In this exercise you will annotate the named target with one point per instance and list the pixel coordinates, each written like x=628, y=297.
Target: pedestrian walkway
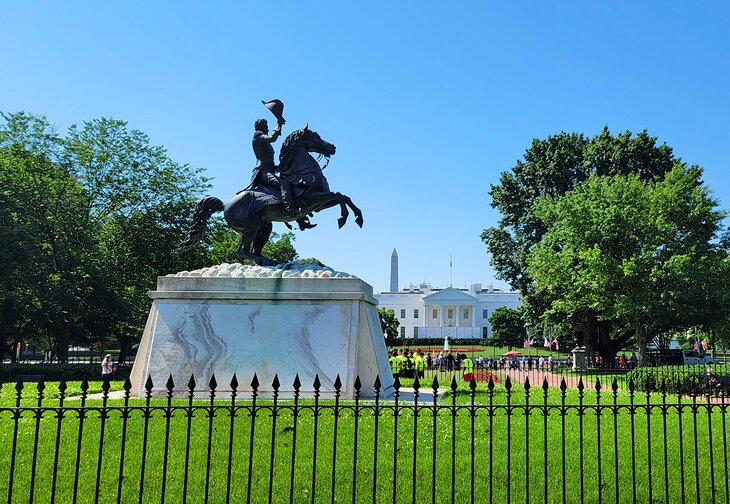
x=538, y=376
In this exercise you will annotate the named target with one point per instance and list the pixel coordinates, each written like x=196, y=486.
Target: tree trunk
x=125, y=347
x=62, y=342
x=589, y=336
x=10, y=350
x=641, y=341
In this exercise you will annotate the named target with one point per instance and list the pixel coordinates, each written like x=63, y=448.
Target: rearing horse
x=251, y=212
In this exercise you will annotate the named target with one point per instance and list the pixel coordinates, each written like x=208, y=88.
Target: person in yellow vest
x=419, y=364
x=406, y=365
x=402, y=359
x=467, y=365
x=394, y=364
x=412, y=361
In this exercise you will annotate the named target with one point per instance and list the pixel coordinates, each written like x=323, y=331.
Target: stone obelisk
x=394, y=271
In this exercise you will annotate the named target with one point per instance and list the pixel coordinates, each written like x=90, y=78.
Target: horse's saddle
x=273, y=194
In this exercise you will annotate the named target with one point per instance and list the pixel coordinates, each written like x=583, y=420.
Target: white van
x=693, y=358
x=678, y=357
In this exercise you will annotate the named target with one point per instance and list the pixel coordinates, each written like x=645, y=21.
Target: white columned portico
x=458, y=315
x=473, y=315
x=441, y=318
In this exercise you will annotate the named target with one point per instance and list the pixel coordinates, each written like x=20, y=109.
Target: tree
x=69, y=206
x=50, y=289
x=389, y=323
x=626, y=259
x=552, y=167
x=507, y=326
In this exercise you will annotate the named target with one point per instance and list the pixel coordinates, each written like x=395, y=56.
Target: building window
x=415, y=332
x=403, y=331
x=435, y=314
x=485, y=314
x=415, y=313
x=451, y=313
x=402, y=314
x=485, y=333
x=466, y=313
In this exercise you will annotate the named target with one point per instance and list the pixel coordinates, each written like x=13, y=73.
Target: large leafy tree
x=623, y=258
x=49, y=273
x=91, y=219
x=507, y=326
x=551, y=167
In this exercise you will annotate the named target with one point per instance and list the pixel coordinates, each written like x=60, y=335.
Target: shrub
x=685, y=380
x=9, y=373
x=429, y=342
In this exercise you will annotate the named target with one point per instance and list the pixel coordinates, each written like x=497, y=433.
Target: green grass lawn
x=310, y=453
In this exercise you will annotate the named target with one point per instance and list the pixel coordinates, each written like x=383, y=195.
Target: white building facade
x=424, y=312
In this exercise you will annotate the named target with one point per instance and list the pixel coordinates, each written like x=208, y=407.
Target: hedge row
x=11, y=373
x=395, y=342
x=686, y=380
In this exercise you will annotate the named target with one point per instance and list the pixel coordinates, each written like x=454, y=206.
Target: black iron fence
x=483, y=442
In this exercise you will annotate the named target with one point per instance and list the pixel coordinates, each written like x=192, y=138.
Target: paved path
x=537, y=377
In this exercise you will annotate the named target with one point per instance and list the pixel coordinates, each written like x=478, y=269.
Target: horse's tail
x=203, y=210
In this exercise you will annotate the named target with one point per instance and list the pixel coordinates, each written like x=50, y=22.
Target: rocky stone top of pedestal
x=239, y=282
x=291, y=270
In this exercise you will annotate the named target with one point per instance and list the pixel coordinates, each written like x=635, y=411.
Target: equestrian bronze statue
x=305, y=191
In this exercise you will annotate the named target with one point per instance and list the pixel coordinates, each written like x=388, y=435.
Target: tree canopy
x=622, y=258
x=507, y=326
x=552, y=167
x=609, y=236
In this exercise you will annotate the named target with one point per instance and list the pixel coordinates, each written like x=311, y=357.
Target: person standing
x=468, y=367
x=419, y=364
x=107, y=368
x=394, y=364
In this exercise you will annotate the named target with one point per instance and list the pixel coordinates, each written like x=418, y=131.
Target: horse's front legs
x=344, y=214
x=355, y=210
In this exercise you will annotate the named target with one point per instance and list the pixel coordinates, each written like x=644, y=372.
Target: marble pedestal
x=270, y=321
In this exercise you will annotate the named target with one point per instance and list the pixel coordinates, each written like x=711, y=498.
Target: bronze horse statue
x=252, y=211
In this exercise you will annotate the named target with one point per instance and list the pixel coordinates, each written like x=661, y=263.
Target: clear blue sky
x=427, y=102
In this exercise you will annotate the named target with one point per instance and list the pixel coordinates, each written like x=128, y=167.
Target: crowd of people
x=404, y=361
x=409, y=364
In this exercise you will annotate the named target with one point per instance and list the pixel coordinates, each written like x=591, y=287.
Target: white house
x=425, y=312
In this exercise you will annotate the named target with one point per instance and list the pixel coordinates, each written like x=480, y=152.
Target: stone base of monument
x=265, y=321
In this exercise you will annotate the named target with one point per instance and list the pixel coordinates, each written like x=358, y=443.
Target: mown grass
x=315, y=453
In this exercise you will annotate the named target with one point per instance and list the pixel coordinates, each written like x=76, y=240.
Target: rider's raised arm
x=271, y=138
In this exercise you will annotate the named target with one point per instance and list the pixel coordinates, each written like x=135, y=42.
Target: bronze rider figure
x=263, y=172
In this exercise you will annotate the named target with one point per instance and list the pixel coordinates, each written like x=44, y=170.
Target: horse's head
x=314, y=143
x=307, y=140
